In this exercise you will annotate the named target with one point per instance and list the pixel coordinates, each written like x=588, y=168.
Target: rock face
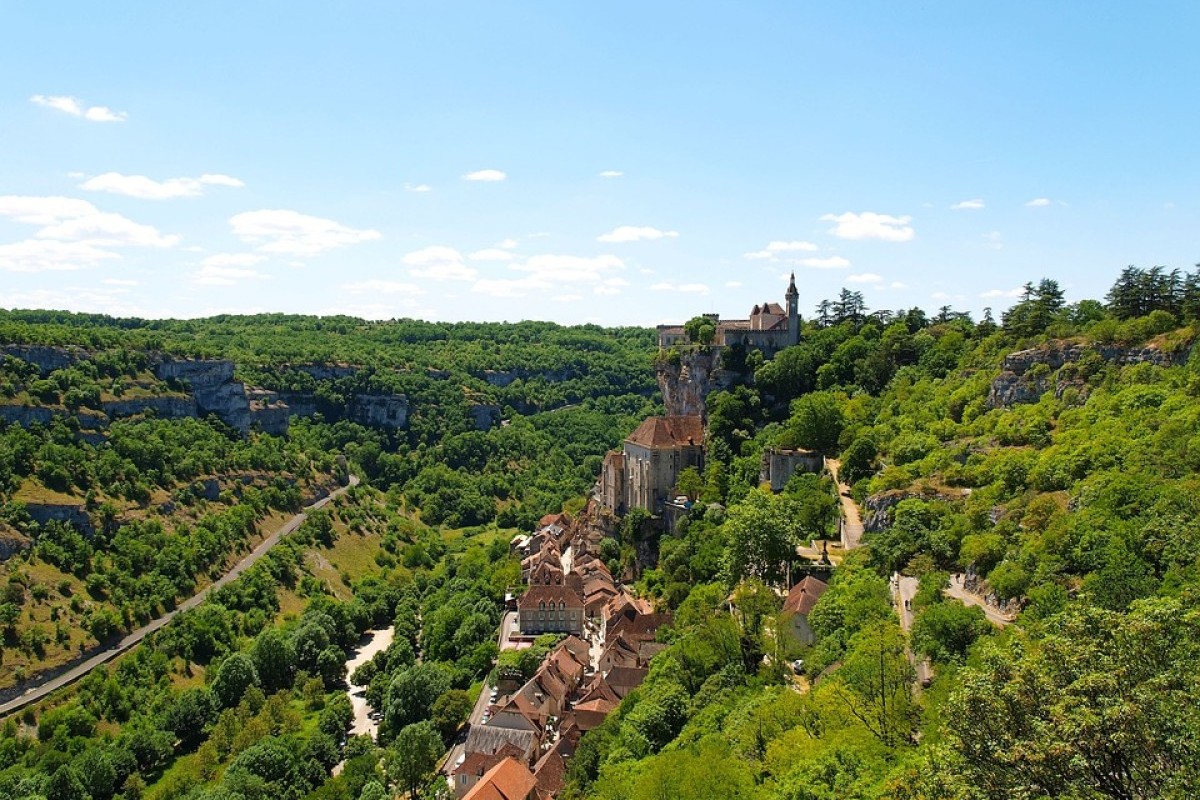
x=877, y=510
x=41, y=415
x=213, y=386
x=165, y=407
x=381, y=410
x=327, y=372
x=686, y=385
x=47, y=358
x=73, y=515
x=485, y=417
x=1028, y=374
x=504, y=378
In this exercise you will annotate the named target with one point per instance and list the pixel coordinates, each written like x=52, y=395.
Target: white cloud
x=733, y=284
x=994, y=240
x=773, y=249
x=485, y=175
x=865, y=277
x=120, y=282
x=870, y=225
x=897, y=285
x=508, y=287
x=44, y=255
x=1039, y=202
x=682, y=288
x=69, y=105
x=830, y=262
x=569, y=269
x=225, y=276
x=632, y=233
x=508, y=244
x=148, y=189
x=611, y=173
x=420, y=187
x=567, y=298
x=491, y=254
x=376, y=286
x=994, y=293
x=232, y=260
x=968, y=205
x=293, y=233
x=72, y=233
x=439, y=263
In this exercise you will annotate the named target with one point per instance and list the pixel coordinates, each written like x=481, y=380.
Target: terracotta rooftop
x=804, y=595
x=508, y=780
x=549, y=594
x=679, y=431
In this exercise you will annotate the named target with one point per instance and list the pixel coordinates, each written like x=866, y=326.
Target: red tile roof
x=804, y=595
x=508, y=780
x=680, y=431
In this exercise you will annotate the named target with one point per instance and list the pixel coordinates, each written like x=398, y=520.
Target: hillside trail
x=852, y=527
x=38, y=691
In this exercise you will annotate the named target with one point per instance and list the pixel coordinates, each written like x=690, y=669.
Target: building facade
x=644, y=474
x=769, y=328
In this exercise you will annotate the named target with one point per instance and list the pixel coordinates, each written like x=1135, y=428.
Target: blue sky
x=619, y=163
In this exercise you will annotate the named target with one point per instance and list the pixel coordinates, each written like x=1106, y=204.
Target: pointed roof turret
x=791, y=290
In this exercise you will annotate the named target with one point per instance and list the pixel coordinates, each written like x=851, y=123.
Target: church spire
x=791, y=290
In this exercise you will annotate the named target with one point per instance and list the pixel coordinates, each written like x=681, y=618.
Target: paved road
x=960, y=593
x=904, y=590
x=852, y=527
x=37, y=692
x=508, y=626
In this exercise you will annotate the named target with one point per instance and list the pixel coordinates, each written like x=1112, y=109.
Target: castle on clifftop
x=770, y=328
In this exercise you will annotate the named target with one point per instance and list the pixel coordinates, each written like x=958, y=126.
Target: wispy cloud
x=733, y=284
x=632, y=233
x=74, y=107
x=292, y=233
x=870, y=225
x=144, y=188
x=864, y=277
x=491, y=254
x=830, y=262
x=1038, y=202
x=71, y=234
x=233, y=260
x=439, y=263
x=995, y=293
x=419, y=187
x=968, y=205
x=682, y=288
x=485, y=175
x=225, y=276
x=611, y=173
x=376, y=286
x=774, y=250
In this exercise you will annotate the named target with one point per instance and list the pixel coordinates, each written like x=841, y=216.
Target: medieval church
x=770, y=328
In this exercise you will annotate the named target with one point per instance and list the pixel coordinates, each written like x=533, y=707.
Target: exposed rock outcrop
x=877, y=510
x=70, y=513
x=1026, y=375
x=687, y=383
x=46, y=357
x=163, y=407
x=213, y=386
x=381, y=410
x=485, y=416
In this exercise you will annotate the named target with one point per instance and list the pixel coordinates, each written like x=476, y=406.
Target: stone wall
x=778, y=466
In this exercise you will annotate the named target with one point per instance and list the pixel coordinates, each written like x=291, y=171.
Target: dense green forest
x=1049, y=456
x=1073, y=499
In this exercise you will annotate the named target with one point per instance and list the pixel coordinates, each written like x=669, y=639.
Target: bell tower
x=793, y=311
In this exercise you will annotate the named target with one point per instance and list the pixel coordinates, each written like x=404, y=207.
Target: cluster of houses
x=520, y=752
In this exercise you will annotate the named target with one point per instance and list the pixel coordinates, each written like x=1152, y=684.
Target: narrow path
x=852, y=527
x=904, y=590
x=37, y=692
x=967, y=598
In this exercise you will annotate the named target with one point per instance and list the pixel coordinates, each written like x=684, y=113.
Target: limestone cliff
x=1028, y=374
x=687, y=381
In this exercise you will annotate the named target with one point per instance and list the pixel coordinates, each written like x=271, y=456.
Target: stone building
x=779, y=465
x=769, y=328
x=550, y=609
x=646, y=471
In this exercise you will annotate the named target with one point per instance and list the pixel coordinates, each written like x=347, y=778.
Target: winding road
x=38, y=691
